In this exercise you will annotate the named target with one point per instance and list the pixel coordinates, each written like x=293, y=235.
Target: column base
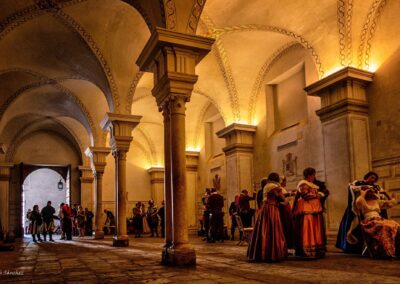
x=98, y=235
x=120, y=241
x=181, y=255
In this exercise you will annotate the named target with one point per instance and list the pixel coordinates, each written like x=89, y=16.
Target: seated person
x=381, y=235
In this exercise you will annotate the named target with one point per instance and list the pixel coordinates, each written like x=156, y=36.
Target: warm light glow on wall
x=333, y=70
x=158, y=166
x=372, y=67
x=245, y=122
x=193, y=149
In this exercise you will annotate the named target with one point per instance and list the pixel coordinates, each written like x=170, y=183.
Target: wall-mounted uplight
x=60, y=185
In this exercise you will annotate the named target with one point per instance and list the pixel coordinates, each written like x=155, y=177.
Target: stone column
x=239, y=141
x=157, y=184
x=98, y=162
x=167, y=182
x=5, y=175
x=192, y=162
x=120, y=127
x=172, y=58
x=86, y=187
x=345, y=130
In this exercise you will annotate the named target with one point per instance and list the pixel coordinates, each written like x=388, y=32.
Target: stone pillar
x=5, y=175
x=120, y=127
x=172, y=58
x=239, y=141
x=86, y=187
x=192, y=162
x=167, y=182
x=345, y=130
x=98, y=162
x=157, y=184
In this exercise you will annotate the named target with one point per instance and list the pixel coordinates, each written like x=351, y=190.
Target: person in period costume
x=110, y=222
x=260, y=193
x=146, y=226
x=215, y=204
x=80, y=219
x=48, y=221
x=206, y=212
x=233, y=211
x=88, y=222
x=285, y=212
x=268, y=240
x=349, y=237
x=246, y=213
x=137, y=219
x=68, y=216
x=28, y=222
x=61, y=217
x=152, y=218
x=74, y=219
x=310, y=236
x=382, y=236
x=36, y=223
x=161, y=214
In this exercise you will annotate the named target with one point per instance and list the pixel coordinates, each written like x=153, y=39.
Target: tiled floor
x=93, y=261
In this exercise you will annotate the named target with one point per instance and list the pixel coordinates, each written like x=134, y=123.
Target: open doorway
x=42, y=183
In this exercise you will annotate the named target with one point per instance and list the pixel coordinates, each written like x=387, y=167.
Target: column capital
x=98, y=157
x=342, y=92
x=5, y=171
x=86, y=174
x=192, y=161
x=120, y=127
x=156, y=174
x=172, y=58
x=238, y=137
x=164, y=40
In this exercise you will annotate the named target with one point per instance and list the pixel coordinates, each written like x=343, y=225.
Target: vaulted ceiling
x=67, y=62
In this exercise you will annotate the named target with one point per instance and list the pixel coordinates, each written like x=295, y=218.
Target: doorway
x=43, y=183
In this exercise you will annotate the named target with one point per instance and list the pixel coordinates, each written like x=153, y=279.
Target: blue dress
x=346, y=224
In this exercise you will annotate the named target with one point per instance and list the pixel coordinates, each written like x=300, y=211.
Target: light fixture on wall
x=60, y=185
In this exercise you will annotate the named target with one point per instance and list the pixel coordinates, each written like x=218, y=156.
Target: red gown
x=310, y=240
x=268, y=240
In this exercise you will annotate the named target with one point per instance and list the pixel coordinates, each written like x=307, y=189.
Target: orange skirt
x=310, y=239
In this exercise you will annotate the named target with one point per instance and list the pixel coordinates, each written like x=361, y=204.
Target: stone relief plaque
x=289, y=165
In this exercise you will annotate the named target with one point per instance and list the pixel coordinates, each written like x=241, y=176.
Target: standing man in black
x=48, y=220
x=215, y=204
x=88, y=222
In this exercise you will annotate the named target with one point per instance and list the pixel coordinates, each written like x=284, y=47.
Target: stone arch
x=18, y=140
x=201, y=117
x=43, y=81
x=264, y=70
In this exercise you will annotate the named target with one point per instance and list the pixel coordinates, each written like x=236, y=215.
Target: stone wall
x=384, y=121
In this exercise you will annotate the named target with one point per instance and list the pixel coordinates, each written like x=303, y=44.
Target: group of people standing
x=147, y=221
x=73, y=221
x=280, y=227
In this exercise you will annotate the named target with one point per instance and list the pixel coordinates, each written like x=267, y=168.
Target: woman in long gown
x=309, y=222
x=268, y=240
x=349, y=237
x=381, y=235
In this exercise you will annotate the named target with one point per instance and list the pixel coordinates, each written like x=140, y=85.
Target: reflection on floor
x=94, y=261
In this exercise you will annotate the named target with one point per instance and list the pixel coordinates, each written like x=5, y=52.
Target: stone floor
x=96, y=261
